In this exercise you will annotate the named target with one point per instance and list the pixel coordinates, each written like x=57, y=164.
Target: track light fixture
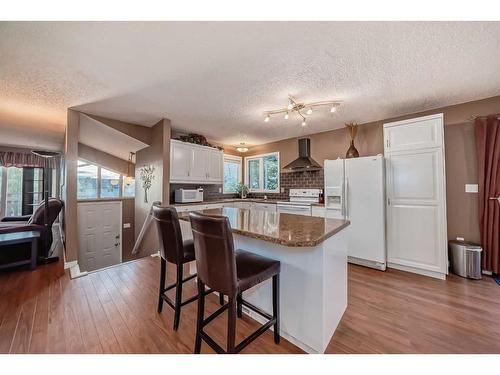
x=302, y=109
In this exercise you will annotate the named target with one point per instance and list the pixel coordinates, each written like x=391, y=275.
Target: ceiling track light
x=299, y=108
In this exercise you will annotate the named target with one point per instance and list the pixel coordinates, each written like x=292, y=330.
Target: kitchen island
x=313, y=279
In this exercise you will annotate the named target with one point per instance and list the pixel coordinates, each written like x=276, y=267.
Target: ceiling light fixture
x=242, y=147
x=302, y=109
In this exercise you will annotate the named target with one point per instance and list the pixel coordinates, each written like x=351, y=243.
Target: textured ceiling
x=217, y=79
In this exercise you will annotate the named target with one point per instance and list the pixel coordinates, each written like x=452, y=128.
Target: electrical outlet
x=471, y=188
x=126, y=225
x=220, y=190
x=282, y=190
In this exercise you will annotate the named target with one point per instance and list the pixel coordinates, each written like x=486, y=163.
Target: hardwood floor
x=114, y=311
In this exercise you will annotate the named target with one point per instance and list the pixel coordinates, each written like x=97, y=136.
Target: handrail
x=144, y=228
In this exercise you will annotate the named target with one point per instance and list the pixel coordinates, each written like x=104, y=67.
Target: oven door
x=294, y=209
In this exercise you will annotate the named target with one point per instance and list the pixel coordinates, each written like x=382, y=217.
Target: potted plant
x=242, y=190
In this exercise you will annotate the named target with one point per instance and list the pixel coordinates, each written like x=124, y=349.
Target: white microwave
x=188, y=195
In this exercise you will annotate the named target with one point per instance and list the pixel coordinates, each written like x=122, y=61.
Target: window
x=128, y=187
x=232, y=173
x=21, y=190
x=14, y=200
x=87, y=180
x=263, y=173
x=110, y=184
x=95, y=182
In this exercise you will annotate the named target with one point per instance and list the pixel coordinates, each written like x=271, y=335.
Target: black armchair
x=35, y=222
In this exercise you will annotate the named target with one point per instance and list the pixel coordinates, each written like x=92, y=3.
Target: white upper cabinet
x=199, y=163
x=414, y=134
x=215, y=166
x=191, y=163
x=180, y=161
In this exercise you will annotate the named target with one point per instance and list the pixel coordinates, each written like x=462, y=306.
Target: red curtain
x=488, y=156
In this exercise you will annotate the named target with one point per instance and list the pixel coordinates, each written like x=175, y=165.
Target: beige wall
x=105, y=160
x=157, y=155
x=69, y=189
x=459, y=150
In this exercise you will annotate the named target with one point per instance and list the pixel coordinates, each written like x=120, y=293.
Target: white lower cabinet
x=246, y=205
x=269, y=207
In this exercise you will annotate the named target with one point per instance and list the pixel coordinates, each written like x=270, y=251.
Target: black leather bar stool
x=229, y=272
x=174, y=249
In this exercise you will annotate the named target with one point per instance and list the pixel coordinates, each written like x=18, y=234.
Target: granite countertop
x=284, y=229
x=228, y=200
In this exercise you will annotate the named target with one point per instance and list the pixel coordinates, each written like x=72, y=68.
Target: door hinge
x=388, y=201
x=388, y=143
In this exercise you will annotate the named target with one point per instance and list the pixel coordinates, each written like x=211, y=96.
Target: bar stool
x=174, y=249
x=230, y=272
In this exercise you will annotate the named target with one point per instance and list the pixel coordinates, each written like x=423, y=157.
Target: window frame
x=233, y=158
x=99, y=184
x=261, y=157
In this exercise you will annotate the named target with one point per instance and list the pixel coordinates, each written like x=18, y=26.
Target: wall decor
x=147, y=176
x=352, y=152
x=198, y=139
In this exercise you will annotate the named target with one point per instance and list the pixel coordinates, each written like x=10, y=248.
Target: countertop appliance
x=355, y=190
x=300, y=202
x=188, y=195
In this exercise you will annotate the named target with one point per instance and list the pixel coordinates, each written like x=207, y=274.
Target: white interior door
x=99, y=231
x=416, y=200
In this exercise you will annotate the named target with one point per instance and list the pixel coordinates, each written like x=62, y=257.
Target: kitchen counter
x=313, y=278
x=280, y=228
x=229, y=200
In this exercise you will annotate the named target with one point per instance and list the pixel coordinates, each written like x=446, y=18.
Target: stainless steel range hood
x=304, y=162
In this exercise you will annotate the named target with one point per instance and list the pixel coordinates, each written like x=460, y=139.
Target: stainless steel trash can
x=465, y=259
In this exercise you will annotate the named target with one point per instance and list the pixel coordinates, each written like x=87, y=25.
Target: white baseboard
x=68, y=265
x=488, y=273
x=367, y=263
x=436, y=275
x=74, y=272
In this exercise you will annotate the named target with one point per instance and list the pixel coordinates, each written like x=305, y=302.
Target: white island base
x=313, y=288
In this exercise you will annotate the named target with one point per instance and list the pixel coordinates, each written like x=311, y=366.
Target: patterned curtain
x=25, y=159
x=488, y=156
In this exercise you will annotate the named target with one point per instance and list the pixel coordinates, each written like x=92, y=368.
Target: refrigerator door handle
x=346, y=193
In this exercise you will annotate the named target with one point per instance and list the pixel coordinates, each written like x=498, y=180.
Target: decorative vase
x=352, y=152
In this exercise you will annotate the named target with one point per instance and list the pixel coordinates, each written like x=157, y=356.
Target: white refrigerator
x=355, y=190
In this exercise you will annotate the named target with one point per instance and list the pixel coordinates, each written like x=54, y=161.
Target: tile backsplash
x=209, y=191
x=288, y=180
x=295, y=180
